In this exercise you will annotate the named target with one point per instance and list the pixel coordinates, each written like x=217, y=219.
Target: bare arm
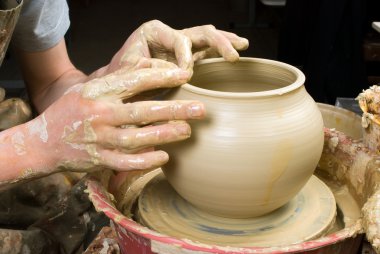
x=81, y=130
x=48, y=74
x=153, y=45
x=79, y=125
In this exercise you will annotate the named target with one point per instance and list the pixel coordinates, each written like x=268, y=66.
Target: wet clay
x=13, y=112
x=347, y=220
x=348, y=212
x=344, y=167
x=308, y=215
x=355, y=162
x=259, y=144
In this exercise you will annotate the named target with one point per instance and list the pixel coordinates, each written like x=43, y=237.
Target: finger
x=223, y=45
x=125, y=84
x=158, y=63
x=146, y=112
x=208, y=53
x=183, y=53
x=124, y=162
x=149, y=136
x=207, y=36
x=144, y=62
x=238, y=42
x=171, y=40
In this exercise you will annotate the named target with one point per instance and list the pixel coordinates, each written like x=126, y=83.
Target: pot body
x=259, y=144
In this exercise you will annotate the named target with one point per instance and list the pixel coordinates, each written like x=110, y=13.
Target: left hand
x=156, y=40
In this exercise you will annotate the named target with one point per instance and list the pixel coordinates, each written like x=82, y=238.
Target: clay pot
x=258, y=146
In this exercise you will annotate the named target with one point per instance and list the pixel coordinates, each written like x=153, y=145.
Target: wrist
x=43, y=99
x=22, y=155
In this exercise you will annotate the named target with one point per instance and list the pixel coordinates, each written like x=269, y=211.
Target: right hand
x=90, y=127
x=157, y=41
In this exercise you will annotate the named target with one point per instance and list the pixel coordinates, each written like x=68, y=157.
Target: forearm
x=48, y=74
x=22, y=156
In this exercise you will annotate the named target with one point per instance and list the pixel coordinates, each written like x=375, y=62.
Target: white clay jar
x=259, y=144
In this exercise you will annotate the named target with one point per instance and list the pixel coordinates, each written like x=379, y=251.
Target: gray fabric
x=42, y=24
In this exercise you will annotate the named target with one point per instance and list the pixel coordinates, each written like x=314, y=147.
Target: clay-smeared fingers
x=161, y=36
x=124, y=162
x=144, y=62
x=208, y=53
x=238, y=42
x=222, y=44
x=146, y=112
x=125, y=84
x=207, y=36
x=148, y=136
x=183, y=53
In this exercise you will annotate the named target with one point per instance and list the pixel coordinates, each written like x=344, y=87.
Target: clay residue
x=369, y=100
x=104, y=243
x=353, y=163
x=39, y=127
x=74, y=135
x=18, y=142
x=307, y=216
x=131, y=186
x=13, y=111
x=332, y=143
x=371, y=212
x=112, y=86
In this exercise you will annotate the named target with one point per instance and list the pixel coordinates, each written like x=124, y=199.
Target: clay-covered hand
x=90, y=127
x=156, y=40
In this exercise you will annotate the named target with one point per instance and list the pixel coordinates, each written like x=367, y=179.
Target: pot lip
x=299, y=82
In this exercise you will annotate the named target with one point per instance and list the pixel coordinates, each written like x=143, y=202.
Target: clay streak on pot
x=39, y=126
x=280, y=163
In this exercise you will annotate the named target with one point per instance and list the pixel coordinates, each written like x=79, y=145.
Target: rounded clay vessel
x=259, y=144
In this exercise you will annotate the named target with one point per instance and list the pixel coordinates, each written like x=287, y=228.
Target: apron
x=48, y=215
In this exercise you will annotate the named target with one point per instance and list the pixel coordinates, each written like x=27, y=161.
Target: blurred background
x=331, y=41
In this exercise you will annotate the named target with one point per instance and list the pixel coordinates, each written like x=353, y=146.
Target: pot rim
x=299, y=82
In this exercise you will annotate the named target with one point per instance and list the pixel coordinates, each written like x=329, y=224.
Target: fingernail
x=196, y=110
x=232, y=56
x=162, y=157
x=243, y=44
x=183, y=130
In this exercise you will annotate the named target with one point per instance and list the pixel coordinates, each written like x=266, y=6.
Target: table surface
x=376, y=25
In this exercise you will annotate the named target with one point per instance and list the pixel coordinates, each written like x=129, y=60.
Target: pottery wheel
x=308, y=215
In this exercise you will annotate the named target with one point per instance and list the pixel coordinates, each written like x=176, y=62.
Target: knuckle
x=135, y=113
x=154, y=22
x=174, y=109
x=126, y=141
x=186, y=40
x=209, y=27
x=101, y=108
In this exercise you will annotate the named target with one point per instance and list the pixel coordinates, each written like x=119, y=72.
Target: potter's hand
x=90, y=127
x=182, y=47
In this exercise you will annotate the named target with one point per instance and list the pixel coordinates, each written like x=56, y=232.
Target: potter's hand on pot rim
x=156, y=40
x=90, y=127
